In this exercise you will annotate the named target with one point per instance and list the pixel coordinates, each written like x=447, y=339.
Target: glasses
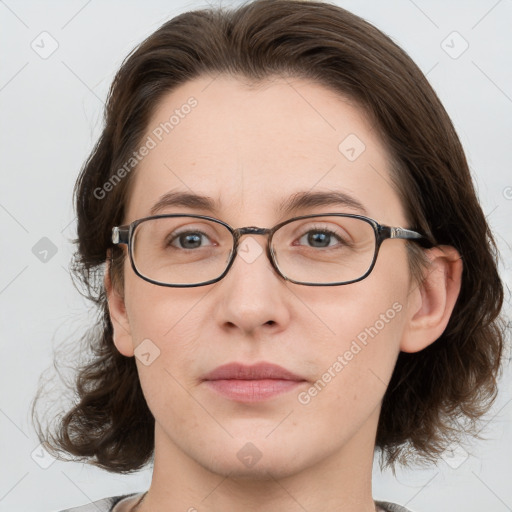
x=330, y=249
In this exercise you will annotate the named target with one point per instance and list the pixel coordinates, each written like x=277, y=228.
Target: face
x=250, y=149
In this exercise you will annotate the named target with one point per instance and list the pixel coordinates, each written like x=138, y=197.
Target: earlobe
x=118, y=315
x=432, y=301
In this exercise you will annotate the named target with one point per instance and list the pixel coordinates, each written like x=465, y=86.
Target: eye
x=187, y=239
x=320, y=238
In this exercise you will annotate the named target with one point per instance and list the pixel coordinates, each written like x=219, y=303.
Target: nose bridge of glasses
x=252, y=230
x=249, y=230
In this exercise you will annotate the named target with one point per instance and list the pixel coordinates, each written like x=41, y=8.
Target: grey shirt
x=109, y=505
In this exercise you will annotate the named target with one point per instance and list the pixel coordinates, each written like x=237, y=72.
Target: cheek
x=166, y=326
x=359, y=358
x=158, y=312
x=365, y=321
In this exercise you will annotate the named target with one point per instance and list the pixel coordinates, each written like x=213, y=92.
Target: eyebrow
x=302, y=200
x=305, y=200
x=185, y=199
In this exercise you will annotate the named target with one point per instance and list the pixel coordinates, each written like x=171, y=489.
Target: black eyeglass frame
x=124, y=235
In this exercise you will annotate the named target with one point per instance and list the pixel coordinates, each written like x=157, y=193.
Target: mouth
x=254, y=383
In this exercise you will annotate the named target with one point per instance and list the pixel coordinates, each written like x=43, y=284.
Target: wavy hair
x=432, y=393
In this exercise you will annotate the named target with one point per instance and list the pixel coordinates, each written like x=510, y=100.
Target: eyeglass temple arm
x=120, y=234
x=406, y=234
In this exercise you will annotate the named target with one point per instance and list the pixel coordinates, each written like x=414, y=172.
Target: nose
x=252, y=296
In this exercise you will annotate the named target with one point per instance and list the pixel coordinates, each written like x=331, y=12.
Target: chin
x=256, y=459
x=262, y=471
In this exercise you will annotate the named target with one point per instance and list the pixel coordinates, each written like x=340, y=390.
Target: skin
x=251, y=148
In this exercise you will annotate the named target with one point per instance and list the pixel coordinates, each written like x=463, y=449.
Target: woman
x=279, y=227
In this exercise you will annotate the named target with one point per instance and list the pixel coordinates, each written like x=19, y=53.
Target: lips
x=259, y=371
x=256, y=383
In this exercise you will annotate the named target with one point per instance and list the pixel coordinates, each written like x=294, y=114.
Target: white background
x=51, y=115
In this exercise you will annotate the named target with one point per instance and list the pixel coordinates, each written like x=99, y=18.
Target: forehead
x=249, y=148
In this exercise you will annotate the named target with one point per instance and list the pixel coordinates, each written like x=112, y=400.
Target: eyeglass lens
x=187, y=250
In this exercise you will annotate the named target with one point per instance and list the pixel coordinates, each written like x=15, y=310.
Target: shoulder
x=391, y=507
x=103, y=505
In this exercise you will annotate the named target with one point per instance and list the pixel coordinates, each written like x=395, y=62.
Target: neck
x=338, y=481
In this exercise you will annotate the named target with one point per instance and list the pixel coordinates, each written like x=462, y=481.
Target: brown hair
x=431, y=393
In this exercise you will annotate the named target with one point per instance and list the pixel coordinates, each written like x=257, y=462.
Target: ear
x=118, y=316
x=431, y=302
